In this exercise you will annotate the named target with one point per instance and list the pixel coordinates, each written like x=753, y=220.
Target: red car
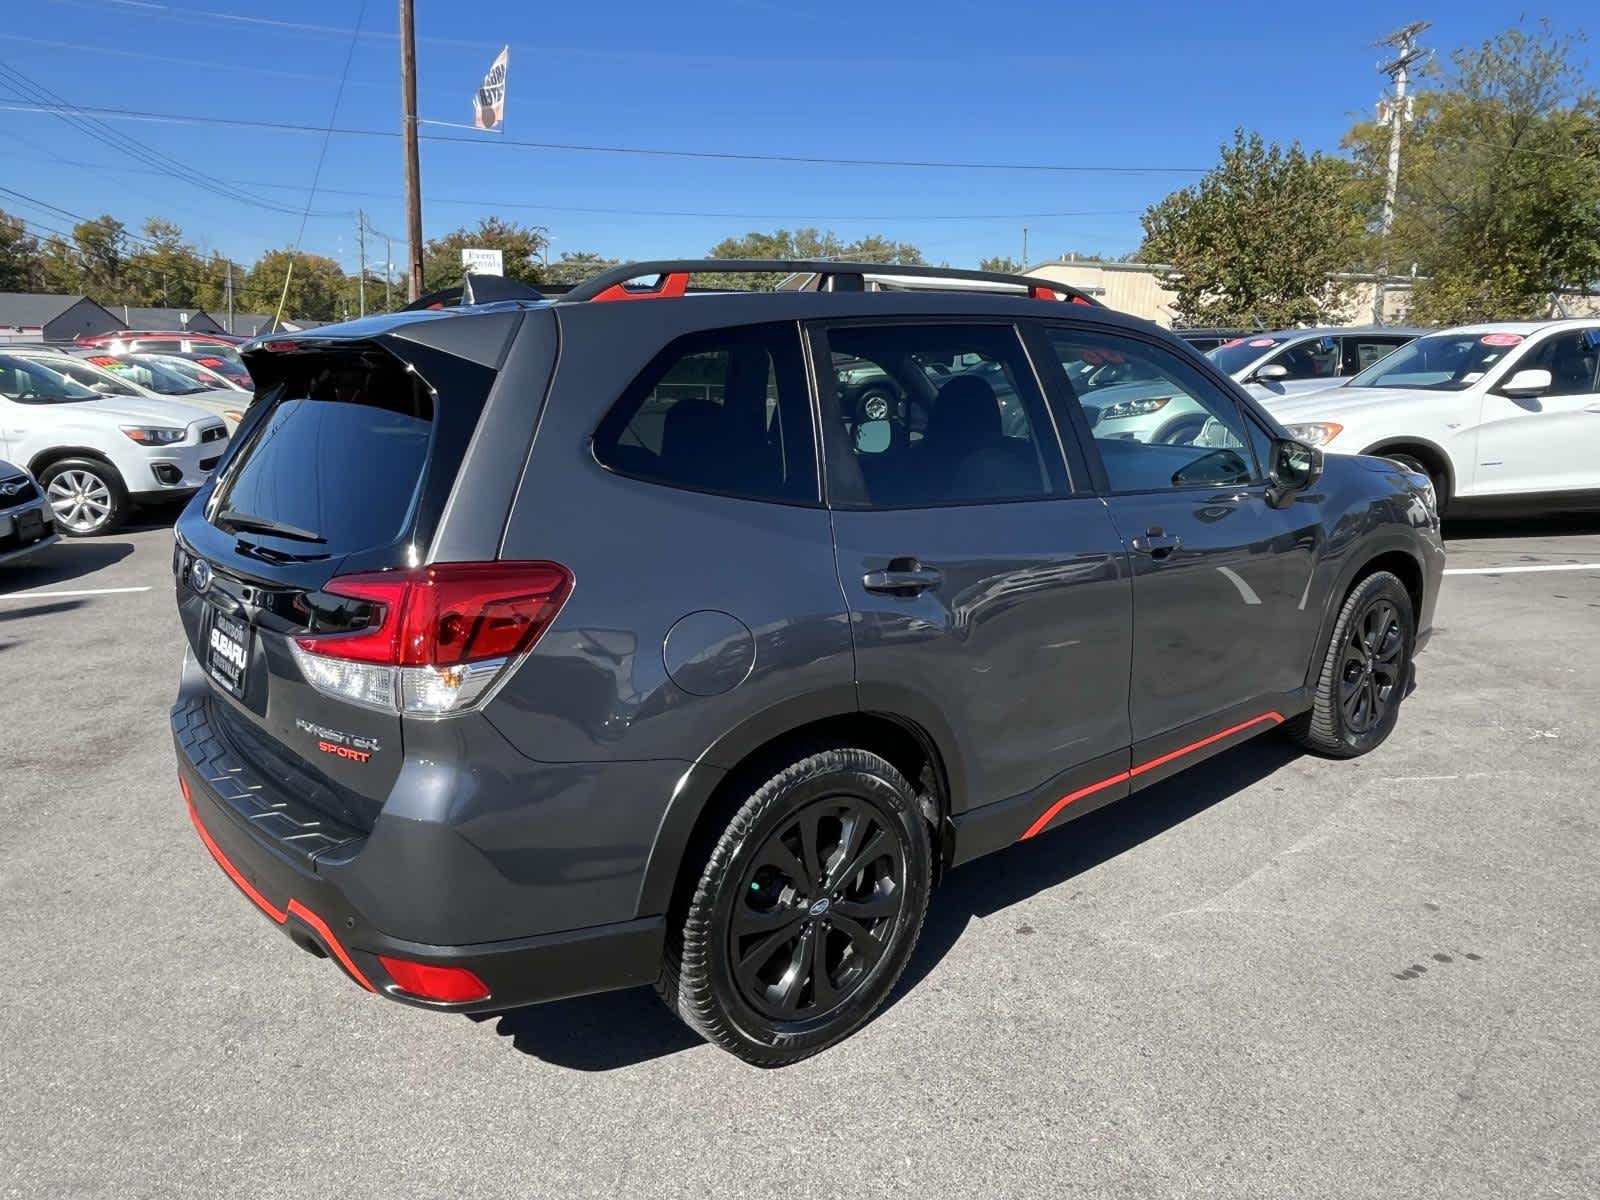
x=218, y=351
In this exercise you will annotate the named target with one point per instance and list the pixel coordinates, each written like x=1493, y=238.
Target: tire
x=1180, y=432
x=757, y=898
x=87, y=495
x=1364, y=673
x=1441, y=487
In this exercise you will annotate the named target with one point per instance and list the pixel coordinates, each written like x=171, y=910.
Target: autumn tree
x=1498, y=203
x=803, y=244
x=522, y=248
x=315, y=286
x=20, y=267
x=1258, y=237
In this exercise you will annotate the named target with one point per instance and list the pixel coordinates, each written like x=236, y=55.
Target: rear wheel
x=807, y=911
x=87, y=496
x=1365, y=672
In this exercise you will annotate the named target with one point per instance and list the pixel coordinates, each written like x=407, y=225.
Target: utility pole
x=1024, y=247
x=361, y=250
x=1404, y=42
x=408, y=90
x=388, y=270
x=228, y=288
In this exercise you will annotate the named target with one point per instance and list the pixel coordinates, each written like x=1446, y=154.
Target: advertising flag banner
x=489, y=105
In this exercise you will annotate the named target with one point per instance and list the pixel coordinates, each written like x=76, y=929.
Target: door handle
x=1157, y=543
x=904, y=577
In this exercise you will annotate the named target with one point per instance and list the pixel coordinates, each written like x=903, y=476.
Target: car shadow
x=621, y=1029
x=1457, y=529
x=65, y=561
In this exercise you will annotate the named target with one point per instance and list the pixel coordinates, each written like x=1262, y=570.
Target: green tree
x=20, y=267
x=574, y=266
x=316, y=287
x=802, y=244
x=521, y=246
x=1498, y=203
x=1257, y=238
x=60, y=269
x=102, y=246
x=1002, y=263
x=164, y=270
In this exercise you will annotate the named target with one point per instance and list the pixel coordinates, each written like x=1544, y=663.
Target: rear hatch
x=341, y=468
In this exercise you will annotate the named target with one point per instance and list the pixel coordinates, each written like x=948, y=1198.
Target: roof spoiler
x=475, y=289
x=672, y=277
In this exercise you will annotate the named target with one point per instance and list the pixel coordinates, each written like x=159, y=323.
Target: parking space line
x=79, y=592
x=1522, y=570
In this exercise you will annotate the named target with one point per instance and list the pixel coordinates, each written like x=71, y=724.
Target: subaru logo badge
x=200, y=575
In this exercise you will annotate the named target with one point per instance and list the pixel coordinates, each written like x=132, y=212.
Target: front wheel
x=807, y=911
x=86, y=494
x=1365, y=672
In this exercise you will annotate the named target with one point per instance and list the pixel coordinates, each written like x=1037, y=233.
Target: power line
x=645, y=151
x=77, y=117
x=322, y=155
x=187, y=14
x=208, y=63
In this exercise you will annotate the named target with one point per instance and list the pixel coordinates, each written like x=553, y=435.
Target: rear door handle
x=1157, y=543
x=902, y=577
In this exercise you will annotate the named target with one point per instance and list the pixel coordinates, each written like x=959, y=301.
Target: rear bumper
x=319, y=917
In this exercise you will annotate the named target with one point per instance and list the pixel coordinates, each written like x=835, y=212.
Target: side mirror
x=1530, y=381
x=873, y=437
x=1271, y=373
x=1293, y=467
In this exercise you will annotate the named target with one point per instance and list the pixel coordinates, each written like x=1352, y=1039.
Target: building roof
x=196, y=320
x=33, y=308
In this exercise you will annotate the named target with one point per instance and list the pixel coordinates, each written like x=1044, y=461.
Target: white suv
x=1493, y=414
x=97, y=456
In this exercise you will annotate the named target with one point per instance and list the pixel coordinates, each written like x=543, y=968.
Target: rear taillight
x=437, y=637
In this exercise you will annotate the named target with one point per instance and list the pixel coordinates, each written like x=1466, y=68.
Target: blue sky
x=1127, y=85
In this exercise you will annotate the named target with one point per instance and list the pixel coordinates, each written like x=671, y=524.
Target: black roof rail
x=475, y=289
x=673, y=278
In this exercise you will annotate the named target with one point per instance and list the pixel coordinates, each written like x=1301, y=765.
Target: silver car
x=27, y=523
x=1287, y=362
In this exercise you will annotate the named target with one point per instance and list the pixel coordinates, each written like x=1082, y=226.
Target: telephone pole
x=388, y=271
x=361, y=251
x=408, y=90
x=1024, y=247
x=229, y=288
x=1395, y=111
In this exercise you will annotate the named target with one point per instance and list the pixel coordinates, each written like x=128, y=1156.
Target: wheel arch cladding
x=46, y=459
x=1425, y=452
x=710, y=796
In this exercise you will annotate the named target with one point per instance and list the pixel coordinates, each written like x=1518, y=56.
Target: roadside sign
x=482, y=262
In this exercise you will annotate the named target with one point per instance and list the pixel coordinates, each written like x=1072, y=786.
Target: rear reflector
x=436, y=637
x=448, y=985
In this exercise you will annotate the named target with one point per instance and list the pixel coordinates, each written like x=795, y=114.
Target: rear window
x=339, y=455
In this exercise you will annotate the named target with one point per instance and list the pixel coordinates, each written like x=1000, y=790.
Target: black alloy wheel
x=806, y=909
x=813, y=916
x=1369, y=675
x=1356, y=696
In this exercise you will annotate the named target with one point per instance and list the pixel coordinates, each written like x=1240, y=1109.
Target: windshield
x=1440, y=362
x=102, y=382
x=32, y=383
x=1233, y=357
x=146, y=374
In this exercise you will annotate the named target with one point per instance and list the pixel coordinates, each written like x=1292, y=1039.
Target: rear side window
x=939, y=414
x=339, y=455
x=1361, y=351
x=725, y=411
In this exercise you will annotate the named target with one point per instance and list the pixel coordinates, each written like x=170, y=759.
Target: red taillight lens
x=436, y=639
x=451, y=985
x=448, y=614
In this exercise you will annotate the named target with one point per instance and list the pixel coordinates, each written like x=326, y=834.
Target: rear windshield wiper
x=281, y=529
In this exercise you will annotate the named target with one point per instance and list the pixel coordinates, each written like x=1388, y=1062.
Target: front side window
x=1362, y=350
x=722, y=412
x=1570, y=359
x=937, y=415
x=33, y=383
x=1175, y=429
x=1314, y=358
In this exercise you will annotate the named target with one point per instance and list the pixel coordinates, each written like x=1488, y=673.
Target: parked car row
x=104, y=433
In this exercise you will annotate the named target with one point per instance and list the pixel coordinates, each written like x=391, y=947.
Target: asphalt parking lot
x=1272, y=975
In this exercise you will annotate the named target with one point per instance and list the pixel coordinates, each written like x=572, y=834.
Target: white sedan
x=1496, y=415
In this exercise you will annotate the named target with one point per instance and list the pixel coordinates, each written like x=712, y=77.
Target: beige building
x=1136, y=288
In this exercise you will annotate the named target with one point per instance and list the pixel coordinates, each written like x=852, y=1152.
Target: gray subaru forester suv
x=543, y=647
